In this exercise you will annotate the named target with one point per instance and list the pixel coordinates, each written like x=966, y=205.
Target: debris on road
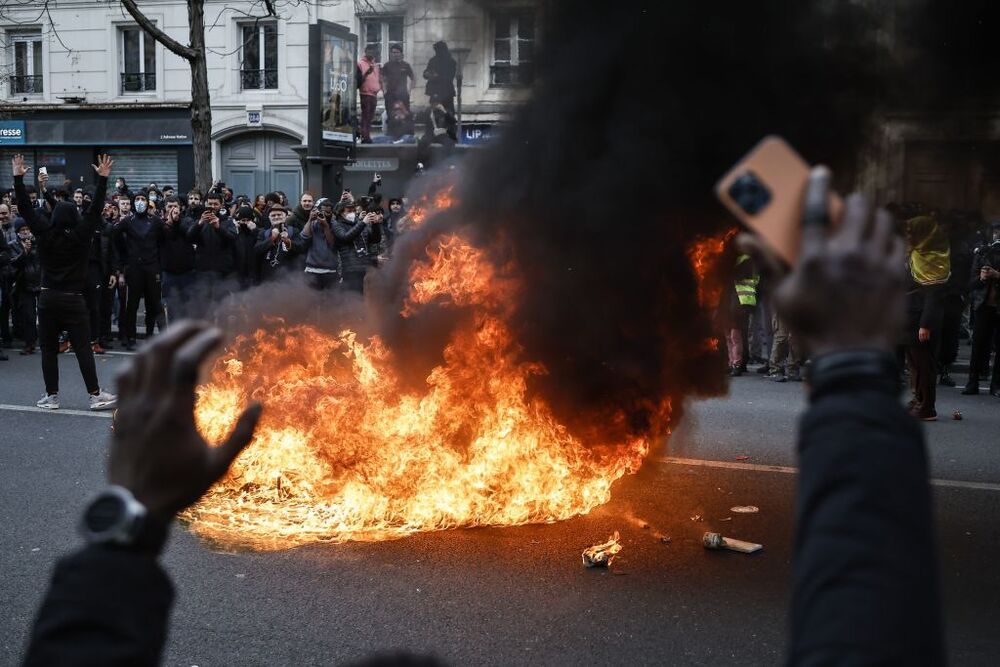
x=745, y=509
x=728, y=518
x=697, y=517
x=715, y=541
x=957, y=415
x=742, y=458
x=601, y=555
x=665, y=539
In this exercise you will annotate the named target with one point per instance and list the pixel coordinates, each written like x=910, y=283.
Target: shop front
x=147, y=145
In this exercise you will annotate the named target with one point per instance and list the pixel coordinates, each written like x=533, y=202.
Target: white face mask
x=350, y=217
x=152, y=197
x=140, y=206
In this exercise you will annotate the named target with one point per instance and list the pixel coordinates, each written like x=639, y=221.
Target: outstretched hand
x=157, y=452
x=847, y=289
x=17, y=165
x=103, y=166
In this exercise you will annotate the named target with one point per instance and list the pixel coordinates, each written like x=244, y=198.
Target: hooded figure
x=440, y=76
x=930, y=254
x=140, y=234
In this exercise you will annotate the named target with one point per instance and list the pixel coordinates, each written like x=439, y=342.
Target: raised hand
x=103, y=166
x=17, y=165
x=157, y=452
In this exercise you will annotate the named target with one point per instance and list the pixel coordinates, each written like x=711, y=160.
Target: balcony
x=26, y=85
x=136, y=82
x=258, y=79
x=503, y=75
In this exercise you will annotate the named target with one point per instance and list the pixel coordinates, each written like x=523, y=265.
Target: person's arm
x=933, y=305
x=36, y=223
x=110, y=605
x=864, y=568
x=411, y=78
x=88, y=225
x=975, y=282
x=227, y=230
x=350, y=234
x=265, y=241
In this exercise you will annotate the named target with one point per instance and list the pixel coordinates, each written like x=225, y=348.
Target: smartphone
x=765, y=190
x=43, y=171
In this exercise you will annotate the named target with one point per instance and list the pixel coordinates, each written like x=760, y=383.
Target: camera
x=749, y=193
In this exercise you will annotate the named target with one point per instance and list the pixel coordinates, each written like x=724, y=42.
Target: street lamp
x=461, y=54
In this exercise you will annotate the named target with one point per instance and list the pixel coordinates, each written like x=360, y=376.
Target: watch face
x=104, y=513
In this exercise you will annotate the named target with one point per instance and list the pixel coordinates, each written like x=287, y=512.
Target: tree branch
x=185, y=52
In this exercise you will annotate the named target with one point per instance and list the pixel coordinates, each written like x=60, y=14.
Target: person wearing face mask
x=357, y=237
x=121, y=187
x=27, y=285
x=63, y=240
x=8, y=237
x=141, y=233
x=177, y=262
x=277, y=245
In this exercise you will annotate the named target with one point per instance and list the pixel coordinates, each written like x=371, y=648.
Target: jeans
x=923, y=376
x=65, y=311
x=785, y=355
x=368, y=103
x=985, y=333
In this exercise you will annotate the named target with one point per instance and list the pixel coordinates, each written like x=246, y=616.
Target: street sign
x=255, y=118
x=11, y=132
x=374, y=164
x=476, y=134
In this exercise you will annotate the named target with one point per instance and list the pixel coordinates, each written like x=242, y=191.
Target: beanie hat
x=245, y=213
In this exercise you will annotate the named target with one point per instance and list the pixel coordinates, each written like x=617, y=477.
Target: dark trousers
x=954, y=304
x=92, y=293
x=210, y=287
x=923, y=376
x=6, y=306
x=354, y=282
x=368, y=103
x=985, y=333
x=107, y=307
x=142, y=282
x=65, y=311
x=322, y=281
x=27, y=315
x=177, y=291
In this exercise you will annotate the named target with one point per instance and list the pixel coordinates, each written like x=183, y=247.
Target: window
x=27, y=76
x=513, y=49
x=259, y=56
x=138, y=61
x=380, y=33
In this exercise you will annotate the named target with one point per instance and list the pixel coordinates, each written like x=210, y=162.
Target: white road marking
x=788, y=470
x=104, y=414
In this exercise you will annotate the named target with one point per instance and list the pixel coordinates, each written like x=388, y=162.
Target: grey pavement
x=513, y=595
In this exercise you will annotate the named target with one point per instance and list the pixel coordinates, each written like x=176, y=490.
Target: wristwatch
x=116, y=518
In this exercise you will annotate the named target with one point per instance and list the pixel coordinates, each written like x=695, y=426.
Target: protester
x=27, y=285
x=275, y=248
x=397, y=79
x=369, y=83
x=318, y=241
x=303, y=212
x=141, y=234
x=100, y=268
x=741, y=301
x=984, y=290
x=786, y=357
x=177, y=260
x=64, y=246
x=930, y=268
x=955, y=292
x=399, y=125
x=247, y=266
x=440, y=75
x=214, y=235
x=8, y=237
x=356, y=244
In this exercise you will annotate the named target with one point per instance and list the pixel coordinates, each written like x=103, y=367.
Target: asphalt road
x=515, y=595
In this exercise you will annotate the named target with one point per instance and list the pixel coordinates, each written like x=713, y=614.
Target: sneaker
x=96, y=347
x=102, y=400
x=49, y=402
x=971, y=389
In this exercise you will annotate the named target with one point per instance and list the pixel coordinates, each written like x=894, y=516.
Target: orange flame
x=427, y=205
x=345, y=451
x=704, y=253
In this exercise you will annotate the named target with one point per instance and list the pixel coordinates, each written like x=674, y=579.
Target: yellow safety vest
x=746, y=288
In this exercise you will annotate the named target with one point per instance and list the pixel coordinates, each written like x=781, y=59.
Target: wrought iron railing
x=26, y=85
x=512, y=75
x=136, y=82
x=257, y=79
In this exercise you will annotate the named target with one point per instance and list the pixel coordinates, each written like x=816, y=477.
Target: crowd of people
x=953, y=272
x=176, y=255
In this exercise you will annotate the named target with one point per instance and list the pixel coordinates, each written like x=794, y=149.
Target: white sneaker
x=103, y=401
x=49, y=402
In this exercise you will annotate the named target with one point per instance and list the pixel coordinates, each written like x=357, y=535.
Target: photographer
x=276, y=246
x=100, y=268
x=359, y=252
x=27, y=285
x=246, y=238
x=319, y=242
x=141, y=233
x=177, y=260
x=984, y=291
x=214, y=236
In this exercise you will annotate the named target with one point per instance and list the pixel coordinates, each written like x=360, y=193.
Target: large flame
x=704, y=253
x=345, y=452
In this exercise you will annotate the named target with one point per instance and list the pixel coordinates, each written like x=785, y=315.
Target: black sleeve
x=977, y=265
x=375, y=234
x=85, y=230
x=350, y=234
x=263, y=243
x=49, y=199
x=193, y=231
x=865, y=571
x=103, y=607
x=36, y=223
x=933, y=309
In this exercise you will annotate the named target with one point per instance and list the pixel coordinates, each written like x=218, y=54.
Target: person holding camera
x=176, y=260
x=27, y=285
x=320, y=245
x=276, y=246
x=63, y=241
x=244, y=249
x=214, y=235
x=358, y=251
x=984, y=291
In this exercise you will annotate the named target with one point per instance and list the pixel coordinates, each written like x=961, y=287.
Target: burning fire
x=427, y=205
x=344, y=452
x=704, y=254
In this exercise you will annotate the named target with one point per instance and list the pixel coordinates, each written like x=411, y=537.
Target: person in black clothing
x=27, y=285
x=176, y=263
x=247, y=267
x=440, y=76
x=214, y=236
x=141, y=234
x=354, y=238
x=100, y=267
x=954, y=300
x=397, y=79
x=8, y=236
x=984, y=290
x=64, y=247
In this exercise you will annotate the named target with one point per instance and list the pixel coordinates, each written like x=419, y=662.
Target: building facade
x=84, y=78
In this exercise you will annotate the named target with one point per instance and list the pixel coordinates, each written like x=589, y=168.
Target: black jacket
x=103, y=250
x=63, y=238
x=215, y=248
x=27, y=270
x=245, y=256
x=141, y=250
x=987, y=255
x=924, y=310
x=354, y=244
x=176, y=252
x=272, y=257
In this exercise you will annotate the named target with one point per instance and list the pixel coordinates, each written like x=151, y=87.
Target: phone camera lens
x=750, y=194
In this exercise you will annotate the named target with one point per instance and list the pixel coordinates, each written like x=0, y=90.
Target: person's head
x=395, y=205
x=273, y=199
x=370, y=52
x=228, y=193
x=23, y=230
x=441, y=48
x=154, y=196
x=214, y=201
x=194, y=198
x=284, y=198
x=346, y=210
x=169, y=191
x=110, y=211
x=306, y=201
x=4, y=214
x=78, y=197
x=396, y=52
x=120, y=183
x=33, y=196
x=244, y=214
x=153, y=186
x=277, y=215
x=140, y=202
x=172, y=208
x=124, y=205
x=259, y=202
x=398, y=110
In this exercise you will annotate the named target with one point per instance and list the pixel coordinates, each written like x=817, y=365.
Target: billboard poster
x=337, y=85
